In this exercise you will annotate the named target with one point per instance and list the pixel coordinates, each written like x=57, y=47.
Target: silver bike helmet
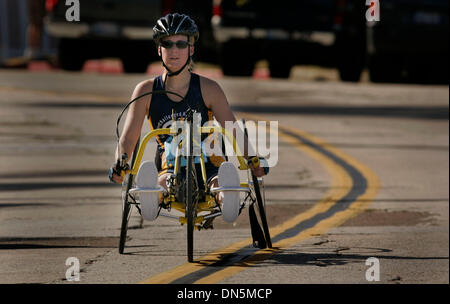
x=175, y=24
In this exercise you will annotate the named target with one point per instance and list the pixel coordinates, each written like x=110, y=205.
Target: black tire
x=280, y=65
x=428, y=69
x=279, y=69
x=236, y=59
x=189, y=194
x=70, y=53
x=137, y=55
x=262, y=211
x=126, y=206
x=350, y=73
x=190, y=210
x=350, y=56
x=135, y=64
x=126, y=209
x=385, y=68
x=259, y=200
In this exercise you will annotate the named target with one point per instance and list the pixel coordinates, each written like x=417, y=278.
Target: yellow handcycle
x=197, y=203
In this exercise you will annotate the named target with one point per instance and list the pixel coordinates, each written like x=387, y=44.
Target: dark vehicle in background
x=290, y=32
x=201, y=12
x=410, y=42
x=107, y=28
x=119, y=28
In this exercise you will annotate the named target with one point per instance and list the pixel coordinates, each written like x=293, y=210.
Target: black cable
x=135, y=99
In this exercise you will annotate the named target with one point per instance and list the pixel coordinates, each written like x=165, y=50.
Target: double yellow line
x=340, y=186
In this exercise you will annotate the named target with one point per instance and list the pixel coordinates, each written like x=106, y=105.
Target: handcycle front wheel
x=126, y=205
x=191, y=199
x=190, y=212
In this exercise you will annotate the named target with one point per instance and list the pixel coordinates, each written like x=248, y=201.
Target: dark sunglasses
x=181, y=44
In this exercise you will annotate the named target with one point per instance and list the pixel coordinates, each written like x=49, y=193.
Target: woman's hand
x=116, y=178
x=118, y=171
x=260, y=170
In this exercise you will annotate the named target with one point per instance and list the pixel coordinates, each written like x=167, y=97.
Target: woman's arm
x=133, y=122
x=216, y=100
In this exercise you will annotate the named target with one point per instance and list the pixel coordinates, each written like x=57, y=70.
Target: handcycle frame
x=194, y=200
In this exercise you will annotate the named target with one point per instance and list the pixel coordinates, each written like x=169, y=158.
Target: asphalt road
x=362, y=172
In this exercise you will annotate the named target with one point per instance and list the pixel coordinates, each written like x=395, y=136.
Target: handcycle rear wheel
x=262, y=211
x=126, y=205
x=260, y=202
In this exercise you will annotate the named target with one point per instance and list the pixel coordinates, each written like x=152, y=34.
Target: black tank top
x=160, y=113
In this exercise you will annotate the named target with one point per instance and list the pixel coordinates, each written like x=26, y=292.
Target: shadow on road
x=290, y=257
x=53, y=185
x=65, y=173
x=58, y=242
x=394, y=111
x=337, y=258
x=432, y=112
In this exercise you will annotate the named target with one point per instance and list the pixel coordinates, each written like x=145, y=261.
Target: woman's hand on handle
x=118, y=171
x=258, y=165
